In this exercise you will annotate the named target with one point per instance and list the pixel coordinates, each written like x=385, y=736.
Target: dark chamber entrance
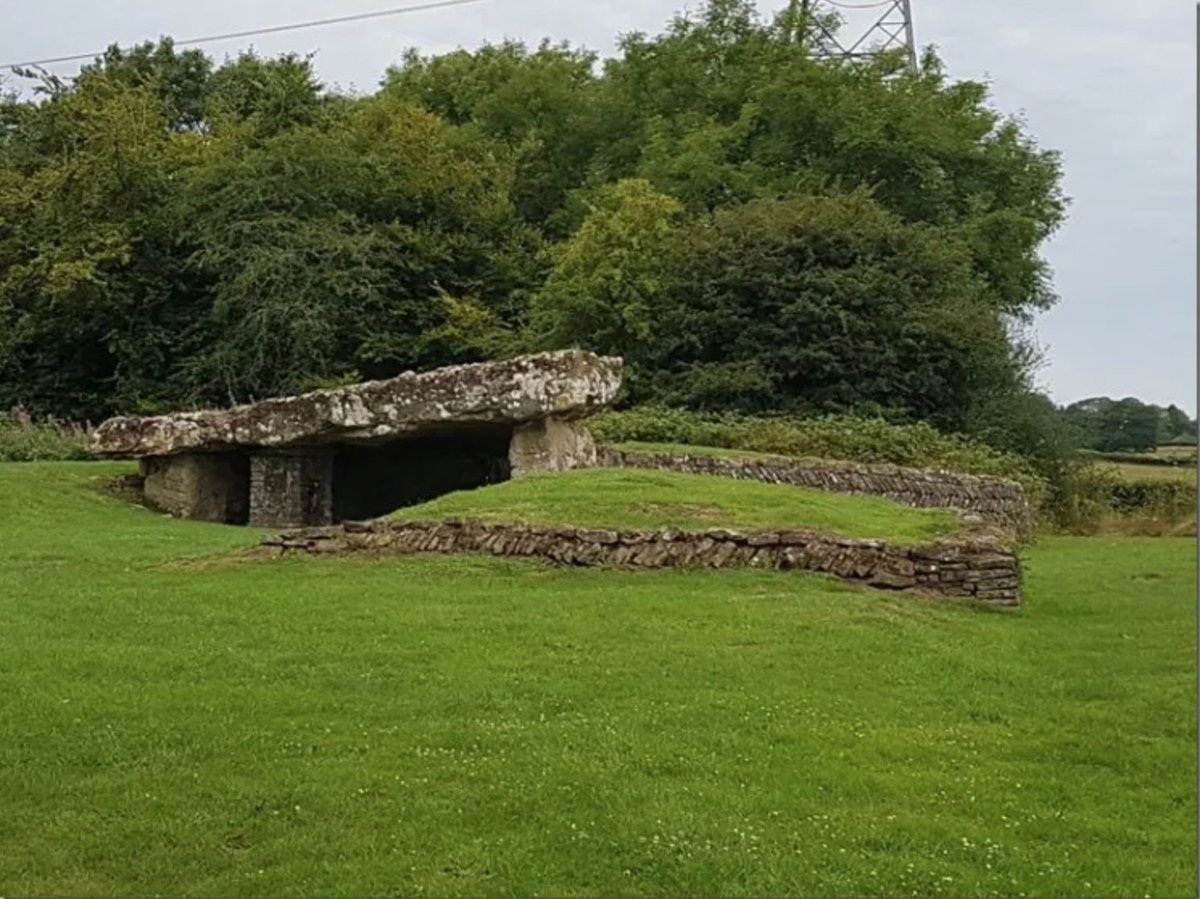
x=370, y=481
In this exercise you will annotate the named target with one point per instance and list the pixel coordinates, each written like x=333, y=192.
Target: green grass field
x=180, y=721
x=1176, y=452
x=630, y=499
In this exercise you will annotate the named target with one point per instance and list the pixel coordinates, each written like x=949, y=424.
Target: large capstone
x=364, y=450
x=564, y=385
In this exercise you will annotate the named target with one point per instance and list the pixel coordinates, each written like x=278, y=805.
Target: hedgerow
x=831, y=437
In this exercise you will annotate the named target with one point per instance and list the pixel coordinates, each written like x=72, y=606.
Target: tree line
x=752, y=230
x=1128, y=425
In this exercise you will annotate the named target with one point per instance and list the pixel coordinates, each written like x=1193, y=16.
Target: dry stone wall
x=973, y=568
x=289, y=488
x=997, y=502
x=207, y=486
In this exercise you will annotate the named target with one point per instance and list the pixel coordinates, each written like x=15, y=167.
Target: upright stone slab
x=203, y=486
x=550, y=444
x=291, y=487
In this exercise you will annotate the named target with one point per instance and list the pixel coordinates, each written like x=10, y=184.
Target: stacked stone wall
x=973, y=568
x=293, y=487
x=204, y=486
x=997, y=502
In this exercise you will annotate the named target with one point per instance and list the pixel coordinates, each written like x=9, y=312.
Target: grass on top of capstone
x=625, y=499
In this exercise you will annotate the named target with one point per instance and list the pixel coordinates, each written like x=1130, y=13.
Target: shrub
x=1164, y=500
x=1176, y=461
x=1091, y=499
x=834, y=437
x=24, y=440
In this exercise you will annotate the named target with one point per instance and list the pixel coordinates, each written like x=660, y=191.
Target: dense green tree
x=822, y=304
x=604, y=291
x=272, y=95
x=537, y=103
x=749, y=228
x=145, y=266
x=81, y=244
x=1128, y=424
x=1175, y=426
x=813, y=304
x=179, y=79
x=328, y=248
x=727, y=107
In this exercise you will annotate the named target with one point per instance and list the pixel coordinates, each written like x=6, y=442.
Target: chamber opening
x=373, y=480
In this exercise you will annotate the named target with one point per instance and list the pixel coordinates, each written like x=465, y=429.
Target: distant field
x=1149, y=466
x=1133, y=472
x=1175, y=452
x=181, y=721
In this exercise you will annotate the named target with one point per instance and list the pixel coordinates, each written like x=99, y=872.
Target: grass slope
x=467, y=726
x=616, y=498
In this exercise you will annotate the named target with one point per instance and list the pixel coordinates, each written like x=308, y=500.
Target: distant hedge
x=833, y=437
x=1168, y=500
x=1142, y=459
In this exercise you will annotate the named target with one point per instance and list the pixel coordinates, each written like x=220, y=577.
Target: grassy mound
x=645, y=500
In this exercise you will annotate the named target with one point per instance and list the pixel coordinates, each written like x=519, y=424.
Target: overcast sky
x=1109, y=83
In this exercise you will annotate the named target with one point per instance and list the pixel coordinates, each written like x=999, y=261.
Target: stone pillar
x=550, y=444
x=203, y=486
x=291, y=488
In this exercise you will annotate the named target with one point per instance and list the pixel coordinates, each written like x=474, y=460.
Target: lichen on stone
x=566, y=384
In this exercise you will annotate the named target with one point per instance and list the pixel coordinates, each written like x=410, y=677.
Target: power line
x=275, y=29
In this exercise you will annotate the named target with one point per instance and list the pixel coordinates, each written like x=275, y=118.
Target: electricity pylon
x=892, y=30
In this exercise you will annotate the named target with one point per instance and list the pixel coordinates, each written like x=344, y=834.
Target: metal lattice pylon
x=892, y=30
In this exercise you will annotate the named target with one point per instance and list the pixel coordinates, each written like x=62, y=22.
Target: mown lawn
x=617, y=498
x=474, y=726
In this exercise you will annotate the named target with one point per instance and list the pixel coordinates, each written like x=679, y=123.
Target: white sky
x=1110, y=83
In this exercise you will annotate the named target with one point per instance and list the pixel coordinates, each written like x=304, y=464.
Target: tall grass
x=24, y=440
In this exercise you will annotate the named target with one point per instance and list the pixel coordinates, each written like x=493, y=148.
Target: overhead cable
x=253, y=32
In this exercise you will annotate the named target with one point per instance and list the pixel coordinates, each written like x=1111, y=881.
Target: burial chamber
x=361, y=451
